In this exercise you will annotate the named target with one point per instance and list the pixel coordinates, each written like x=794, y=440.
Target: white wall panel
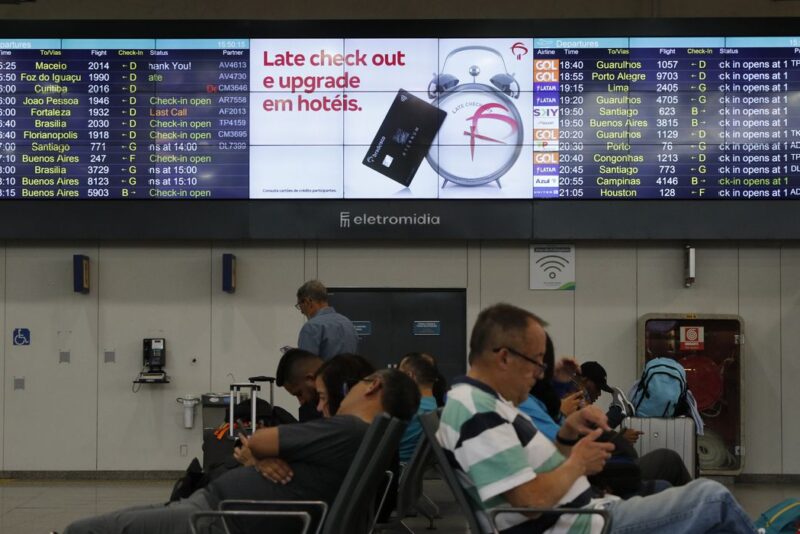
x=605, y=310
x=759, y=306
x=661, y=282
x=160, y=291
x=310, y=260
x=505, y=277
x=438, y=265
x=790, y=361
x=474, y=302
x=59, y=400
x=252, y=324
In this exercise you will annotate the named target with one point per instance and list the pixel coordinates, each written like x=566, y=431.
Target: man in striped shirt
x=501, y=459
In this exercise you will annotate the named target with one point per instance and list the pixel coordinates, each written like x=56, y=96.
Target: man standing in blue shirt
x=326, y=333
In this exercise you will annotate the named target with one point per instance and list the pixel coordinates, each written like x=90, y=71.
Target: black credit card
x=404, y=138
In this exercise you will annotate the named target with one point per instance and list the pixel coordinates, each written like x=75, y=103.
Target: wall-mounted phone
x=154, y=358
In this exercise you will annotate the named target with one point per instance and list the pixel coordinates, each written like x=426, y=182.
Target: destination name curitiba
x=347, y=219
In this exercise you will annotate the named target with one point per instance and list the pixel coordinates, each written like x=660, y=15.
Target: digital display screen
x=387, y=118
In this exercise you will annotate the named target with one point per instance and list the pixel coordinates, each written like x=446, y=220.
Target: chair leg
x=389, y=478
x=434, y=508
x=406, y=528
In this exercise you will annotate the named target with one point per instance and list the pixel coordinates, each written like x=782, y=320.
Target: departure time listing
x=124, y=119
x=666, y=118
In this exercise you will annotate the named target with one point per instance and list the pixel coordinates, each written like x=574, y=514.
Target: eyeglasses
x=542, y=366
x=299, y=305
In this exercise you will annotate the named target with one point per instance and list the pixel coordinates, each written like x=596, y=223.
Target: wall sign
x=427, y=328
x=552, y=267
x=692, y=338
x=363, y=328
x=21, y=336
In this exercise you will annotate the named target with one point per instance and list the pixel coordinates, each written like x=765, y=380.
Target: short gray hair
x=314, y=290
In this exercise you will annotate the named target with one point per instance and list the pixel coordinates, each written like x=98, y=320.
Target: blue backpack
x=661, y=391
x=782, y=518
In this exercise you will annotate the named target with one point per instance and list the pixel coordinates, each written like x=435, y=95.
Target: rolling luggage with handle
x=241, y=417
x=675, y=433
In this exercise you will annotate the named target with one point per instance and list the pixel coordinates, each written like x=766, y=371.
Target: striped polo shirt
x=494, y=448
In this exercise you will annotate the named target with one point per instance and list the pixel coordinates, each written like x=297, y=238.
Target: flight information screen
x=124, y=119
x=417, y=118
x=667, y=118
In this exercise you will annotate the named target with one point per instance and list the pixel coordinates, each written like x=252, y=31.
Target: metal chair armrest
x=256, y=505
x=304, y=517
x=494, y=512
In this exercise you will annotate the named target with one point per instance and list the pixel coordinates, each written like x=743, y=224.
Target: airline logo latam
x=348, y=220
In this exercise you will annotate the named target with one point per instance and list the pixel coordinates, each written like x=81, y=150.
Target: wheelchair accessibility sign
x=22, y=336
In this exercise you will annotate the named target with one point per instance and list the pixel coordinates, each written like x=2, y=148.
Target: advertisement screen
x=523, y=117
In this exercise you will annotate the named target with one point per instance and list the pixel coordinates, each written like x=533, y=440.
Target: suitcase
x=675, y=433
x=219, y=451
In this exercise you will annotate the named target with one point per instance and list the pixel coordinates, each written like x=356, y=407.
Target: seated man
x=595, y=382
x=421, y=368
x=319, y=452
x=659, y=464
x=296, y=372
x=502, y=459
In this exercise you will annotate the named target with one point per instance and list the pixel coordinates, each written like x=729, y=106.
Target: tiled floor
x=35, y=507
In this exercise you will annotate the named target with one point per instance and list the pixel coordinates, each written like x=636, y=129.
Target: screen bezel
x=318, y=219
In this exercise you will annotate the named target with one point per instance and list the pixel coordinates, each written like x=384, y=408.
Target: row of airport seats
x=356, y=507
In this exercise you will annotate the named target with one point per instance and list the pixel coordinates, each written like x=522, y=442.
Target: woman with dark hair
x=439, y=389
x=335, y=378
x=543, y=404
x=543, y=389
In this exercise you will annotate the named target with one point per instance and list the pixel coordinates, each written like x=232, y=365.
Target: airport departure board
x=521, y=117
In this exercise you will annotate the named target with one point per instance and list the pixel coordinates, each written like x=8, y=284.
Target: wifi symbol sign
x=552, y=265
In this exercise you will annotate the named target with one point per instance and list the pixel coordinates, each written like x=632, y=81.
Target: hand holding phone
x=572, y=403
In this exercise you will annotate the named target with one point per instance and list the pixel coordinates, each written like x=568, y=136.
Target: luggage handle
x=237, y=388
x=271, y=381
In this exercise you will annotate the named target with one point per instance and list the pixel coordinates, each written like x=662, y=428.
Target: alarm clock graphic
x=482, y=135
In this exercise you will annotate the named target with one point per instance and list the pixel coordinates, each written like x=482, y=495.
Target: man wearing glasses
x=502, y=459
x=326, y=333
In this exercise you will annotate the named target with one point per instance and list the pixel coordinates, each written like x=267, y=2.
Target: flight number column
x=679, y=118
x=110, y=114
